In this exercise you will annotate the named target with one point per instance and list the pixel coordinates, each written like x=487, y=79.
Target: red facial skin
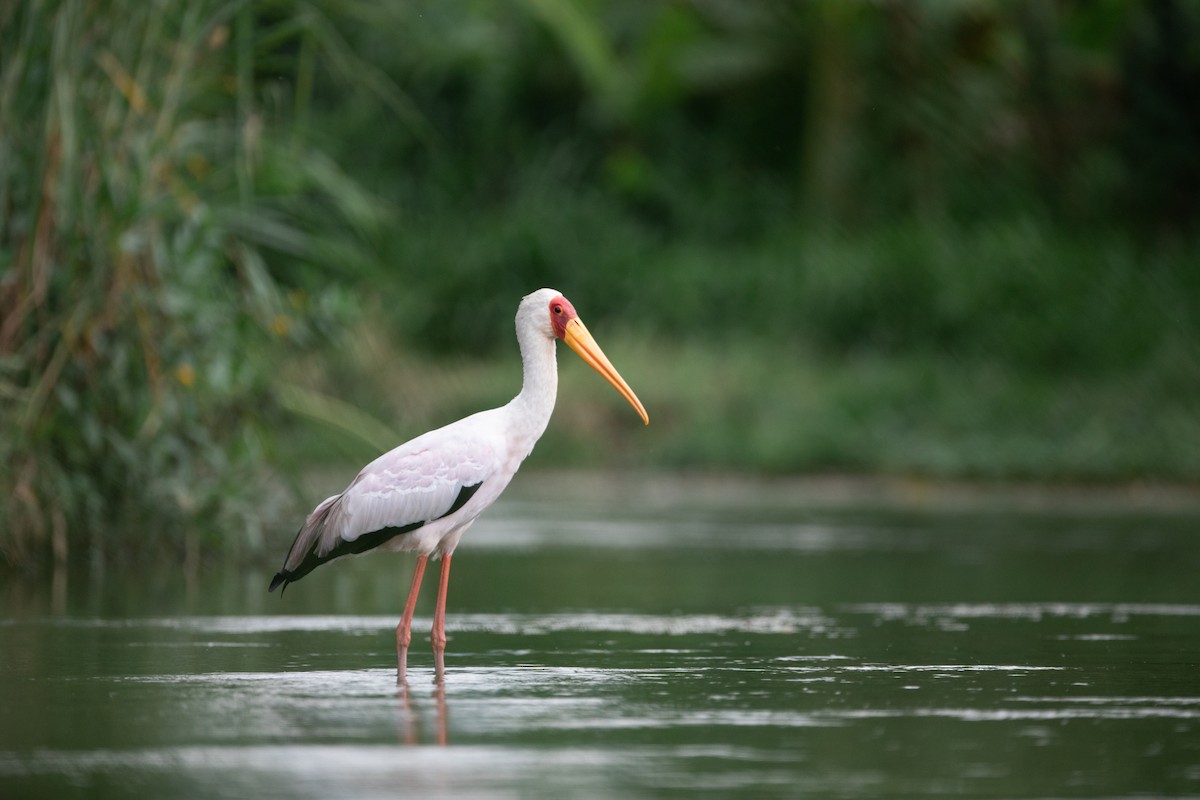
x=561, y=312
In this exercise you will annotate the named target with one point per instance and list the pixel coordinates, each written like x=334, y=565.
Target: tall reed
x=153, y=208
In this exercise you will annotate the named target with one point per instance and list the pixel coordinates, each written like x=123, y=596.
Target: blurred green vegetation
x=155, y=196
x=955, y=239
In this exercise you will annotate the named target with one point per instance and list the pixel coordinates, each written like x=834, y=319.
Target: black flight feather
x=363, y=543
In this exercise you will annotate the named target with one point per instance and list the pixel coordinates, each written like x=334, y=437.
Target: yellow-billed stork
x=423, y=495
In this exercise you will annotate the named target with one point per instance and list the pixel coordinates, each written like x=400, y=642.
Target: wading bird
x=423, y=495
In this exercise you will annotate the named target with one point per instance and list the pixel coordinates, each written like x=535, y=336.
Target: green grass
x=745, y=407
x=752, y=407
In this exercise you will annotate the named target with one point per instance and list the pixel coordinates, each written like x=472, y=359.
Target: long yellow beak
x=578, y=339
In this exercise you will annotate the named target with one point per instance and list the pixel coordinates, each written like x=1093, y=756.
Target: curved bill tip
x=578, y=339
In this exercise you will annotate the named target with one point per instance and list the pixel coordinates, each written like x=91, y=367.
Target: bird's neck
x=534, y=405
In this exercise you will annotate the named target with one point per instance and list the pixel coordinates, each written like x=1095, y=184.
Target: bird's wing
x=413, y=484
x=423, y=480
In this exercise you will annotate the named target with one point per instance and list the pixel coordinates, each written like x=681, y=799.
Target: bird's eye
x=558, y=309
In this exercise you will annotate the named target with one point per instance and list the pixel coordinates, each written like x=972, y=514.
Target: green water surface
x=599, y=651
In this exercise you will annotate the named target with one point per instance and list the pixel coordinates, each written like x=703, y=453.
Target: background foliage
x=146, y=182
x=955, y=239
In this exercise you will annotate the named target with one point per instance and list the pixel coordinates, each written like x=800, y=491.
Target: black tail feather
x=280, y=577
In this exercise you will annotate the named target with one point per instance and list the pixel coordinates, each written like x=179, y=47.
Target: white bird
x=423, y=495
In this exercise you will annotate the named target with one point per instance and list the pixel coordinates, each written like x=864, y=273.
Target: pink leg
x=404, y=629
x=438, y=635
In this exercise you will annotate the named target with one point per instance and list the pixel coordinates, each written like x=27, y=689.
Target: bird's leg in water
x=438, y=635
x=404, y=629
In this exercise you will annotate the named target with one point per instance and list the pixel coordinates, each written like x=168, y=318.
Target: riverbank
x=746, y=407
x=833, y=491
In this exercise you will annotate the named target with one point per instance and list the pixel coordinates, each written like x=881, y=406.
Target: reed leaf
x=149, y=252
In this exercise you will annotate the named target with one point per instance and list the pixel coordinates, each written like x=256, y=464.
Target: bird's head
x=565, y=324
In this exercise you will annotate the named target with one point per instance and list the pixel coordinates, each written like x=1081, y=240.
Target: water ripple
x=764, y=621
x=1024, y=611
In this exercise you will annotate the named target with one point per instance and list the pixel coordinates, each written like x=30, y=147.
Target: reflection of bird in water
x=410, y=720
x=423, y=495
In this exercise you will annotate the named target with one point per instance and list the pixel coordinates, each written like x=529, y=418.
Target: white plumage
x=423, y=495
x=418, y=481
